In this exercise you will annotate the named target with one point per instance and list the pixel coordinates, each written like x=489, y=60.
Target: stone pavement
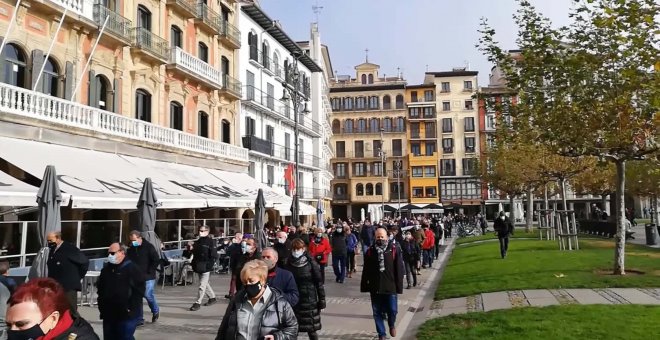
x=348, y=314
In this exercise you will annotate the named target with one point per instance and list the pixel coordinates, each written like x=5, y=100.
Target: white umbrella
x=362, y=216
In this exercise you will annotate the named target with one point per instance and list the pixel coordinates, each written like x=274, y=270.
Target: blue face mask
x=112, y=259
x=135, y=243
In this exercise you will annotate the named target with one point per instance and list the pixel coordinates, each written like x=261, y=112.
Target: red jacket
x=429, y=241
x=320, y=250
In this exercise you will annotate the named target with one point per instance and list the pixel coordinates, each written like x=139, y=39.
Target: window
x=226, y=131
x=429, y=130
x=250, y=126
x=14, y=66
x=340, y=190
x=444, y=87
x=379, y=188
x=469, y=144
x=431, y=192
x=340, y=170
x=270, y=133
x=415, y=149
x=270, y=96
x=413, y=112
x=364, y=79
x=50, y=78
x=251, y=169
x=336, y=104
x=490, y=121
x=387, y=102
x=374, y=125
x=417, y=171
x=265, y=53
x=446, y=106
x=469, y=124
x=348, y=126
x=176, y=116
x=143, y=105
x=359, y=189
x=469, y=166
x=467, y=85
x=359, y=169
x=104, y=94
x=446, y=125
x=448, y=145
x=203, y=52
x=414, y=130
x=276, y=64
x=254, y=50
x=369, y=189
x=340, y=148
x=348, y=103
x=360, y=103
x=373, y=102
x=468, y=105
x=397, y=149
x=430, y=148
x=176, y=37
x=249, y=85
x=270, y=170
x=143, y=18
x=429, y=112
x=448, y=167
x=287, y=146
x=428, y=96
x=400, y=125
x=418, y=192
x=413, y=96
x=203, y=124
x=376, y=148
x=361, y=125
x=397, y=189
x=336, y=126
x=387, y=124
x=399, y=101
x=429, y=171
x=359, y=148
x=371, y=79
x=463, y=188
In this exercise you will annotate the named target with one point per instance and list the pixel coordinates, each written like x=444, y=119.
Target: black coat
x=338, y=244
x=145, y=258
x=503, y=228
x=204, y=255
x=410, y=250
x=80, y=327
x=389, y=281
x=277, y=319
x=244, y=259
x=307, y=274
x=235, y=252
x=283, y=252
x=120, y=290
x=67, y=265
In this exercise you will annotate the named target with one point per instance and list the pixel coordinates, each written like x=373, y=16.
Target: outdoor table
x=177, y=264
x=89, y=288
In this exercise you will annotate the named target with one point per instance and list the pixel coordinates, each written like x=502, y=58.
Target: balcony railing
x=145, y=39
x=367, y=154
x=232, y=85
x=188, y=6
x=259, y=145
x=50, y=109
x=230, y=33
x=82, y=7
x=209, y=17
x=368, y=130
x=117, y=24
x=280, y=151
x=196, y=67
x=312, y=193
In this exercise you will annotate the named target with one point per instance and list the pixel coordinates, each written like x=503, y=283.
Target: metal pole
x=10, y=26
x=399, y=165
x=382, y=170
x=50, y=49
x=75, y=90
x=295, y=99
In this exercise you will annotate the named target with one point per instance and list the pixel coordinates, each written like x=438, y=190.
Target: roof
x=262, y=19
x=453, y=73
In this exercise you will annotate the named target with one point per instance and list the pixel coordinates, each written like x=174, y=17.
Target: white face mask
x=203, y=233
x=502, y=218
x=298, y=253
x=281, y=240
x=112, y=259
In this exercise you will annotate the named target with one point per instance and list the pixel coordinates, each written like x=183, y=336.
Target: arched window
x=374, y=125
x=104, y=94
x=348, y=103
x=373, y=102
x=276, y=64
x=252, y=42
x=359, y=189
x=371, y=79
x=370, y=189
x=400, y=124
x=361, y=125
x=336, y=104
x=203, y=124
x=387, y=102
x=379, y=189
x=364, y=79
x=336, y=126
x=50, y=78
x=226, y=131
x=14, y=72
x=176, y=116
x=387, y=124
x=348, y=126
x=265, y=55
x=176, y=36
x=203, y=52
x=143, y=105
x=360, y=103
x=144, y=19
x=399, y=101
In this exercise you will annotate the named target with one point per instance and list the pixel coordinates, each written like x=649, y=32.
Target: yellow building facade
x=422, y=134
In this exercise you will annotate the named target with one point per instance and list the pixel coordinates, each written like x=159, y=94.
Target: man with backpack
x=204, y=255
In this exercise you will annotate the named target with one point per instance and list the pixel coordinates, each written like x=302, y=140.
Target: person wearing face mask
x=250, y=252
x=339, y=253
x=258, y=312
x=235, y=252
x=351, y=248
x=67, y=265
x=204, y=255
x=311, y=292
x=283, y=248
x=40, y=309
x=411, y=255
x=382, y=278
x=503, y=227
x=319, y=249
x=120, y=287
x=144, y=255
x=279, y=278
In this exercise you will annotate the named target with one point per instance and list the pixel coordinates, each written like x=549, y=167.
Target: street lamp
x=293, y=91
x=382, y=170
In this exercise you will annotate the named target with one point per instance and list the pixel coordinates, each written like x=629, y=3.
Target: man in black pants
x=503, y=228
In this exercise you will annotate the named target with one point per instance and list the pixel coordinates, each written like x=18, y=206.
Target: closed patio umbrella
x=319, y=214
x=147, y=203
x=49, y=198
x=259, y=212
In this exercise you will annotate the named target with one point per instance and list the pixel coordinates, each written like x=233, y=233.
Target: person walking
x=250, y=253
x=235, y=252
x=307, y=275
x=411, y=255
x=258, y=312
x=428, y=246
x=283, y=248
x=280, y=278
x=204, y=256
x=351, y=248
x=120, y=287
x=339, y=253
x=382, y=278
x=67, y=265
x=144, y=255
x=503, y=228
x=367, y=235
x=319, y=249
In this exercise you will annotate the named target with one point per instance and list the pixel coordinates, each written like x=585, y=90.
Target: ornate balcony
x=186, y=7
x=208, y=19
x=230, y=35
x=195, y=67
x=150, y=44
x=232, y=87
x=117, y=27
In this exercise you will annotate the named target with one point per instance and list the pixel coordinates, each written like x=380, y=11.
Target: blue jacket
x=367, y=235
x=283, y=281
x=351, y=242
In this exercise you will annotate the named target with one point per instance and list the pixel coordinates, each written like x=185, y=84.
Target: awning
x=14, y=193
x=305, y=209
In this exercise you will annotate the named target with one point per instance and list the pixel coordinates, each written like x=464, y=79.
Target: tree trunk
x=655, y=204
x=530, y=210
x=546, y=202
x=620, y=238
x=512, y=210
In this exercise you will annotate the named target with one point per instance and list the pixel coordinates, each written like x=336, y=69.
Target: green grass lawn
x=533, y=264
x=491, y=236
x=630, y=322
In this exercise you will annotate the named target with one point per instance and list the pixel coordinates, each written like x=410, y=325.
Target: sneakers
x=211, y=301
x=194, y=307
x=154, y=318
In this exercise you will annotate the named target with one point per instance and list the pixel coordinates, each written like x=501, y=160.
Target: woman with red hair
x=39, y=310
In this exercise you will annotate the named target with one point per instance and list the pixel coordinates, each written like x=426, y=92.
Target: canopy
x=15, y=193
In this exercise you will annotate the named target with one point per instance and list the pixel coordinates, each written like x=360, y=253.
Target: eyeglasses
x=112, y=252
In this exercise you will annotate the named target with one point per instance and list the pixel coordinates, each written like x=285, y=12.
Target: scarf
x=66, y=321
x=299, y=262
x=381, y=257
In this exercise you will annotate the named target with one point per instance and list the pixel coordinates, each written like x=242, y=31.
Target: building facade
x=369, y=136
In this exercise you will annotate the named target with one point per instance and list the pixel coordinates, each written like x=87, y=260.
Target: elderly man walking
x=67, y=265
x=144, y=255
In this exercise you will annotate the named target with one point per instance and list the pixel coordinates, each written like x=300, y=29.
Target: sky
x=407, y=34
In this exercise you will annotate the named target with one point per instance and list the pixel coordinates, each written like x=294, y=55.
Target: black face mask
x=381, y=243
x=253, y=289
x=31, y=333
x=51, y=244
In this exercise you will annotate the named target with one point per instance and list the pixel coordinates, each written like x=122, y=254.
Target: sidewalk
x=640, y=236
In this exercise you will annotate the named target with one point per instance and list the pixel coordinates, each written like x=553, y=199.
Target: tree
x=643, y=178
x=587, y=89
x=599, y=179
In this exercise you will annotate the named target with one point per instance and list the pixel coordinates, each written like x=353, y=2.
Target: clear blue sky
x=409, y=34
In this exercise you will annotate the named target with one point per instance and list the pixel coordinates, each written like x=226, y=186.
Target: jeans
x=120, y=329
x=339, y=266
x=427, y=257
x=151, y=299
x=504, y=245
x=411, y=272
x=384, y=305
x=350, y=262
x=204, y=287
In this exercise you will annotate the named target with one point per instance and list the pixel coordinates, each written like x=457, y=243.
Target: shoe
x=140, y=324
x=211, y=301
x=341, y=281
x=415, y=284
x=350, y=276
x=229, y=296
x=408, y=286
x=382, y=338
x=393, y=332
x=337, y=280
x=154, y=318
x=194, y=307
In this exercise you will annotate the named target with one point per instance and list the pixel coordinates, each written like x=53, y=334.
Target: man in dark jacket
x=411, y=255
x=367, y=235
x=280, y=279
x=67, y=265
x=146, y=258
x=235, y=252
x=283, y=248
x=339, y=252
x=121, y=287
x=503, y=228
x=204, y=255
x=382, y=277
x=250, y=252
